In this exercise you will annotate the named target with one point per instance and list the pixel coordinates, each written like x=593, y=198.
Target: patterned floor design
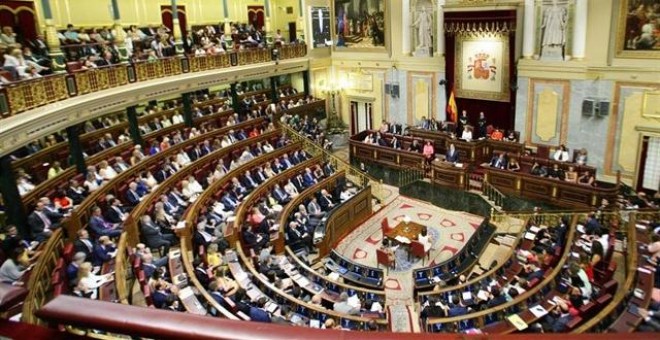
x=449, y=229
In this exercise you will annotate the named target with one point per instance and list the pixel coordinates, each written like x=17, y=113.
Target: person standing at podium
x=425, y=239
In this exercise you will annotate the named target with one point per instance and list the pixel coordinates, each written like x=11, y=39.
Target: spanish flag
x=452, y=111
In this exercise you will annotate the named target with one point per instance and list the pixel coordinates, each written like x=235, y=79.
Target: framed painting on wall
x=638, y=31
x=359, y=24
x=320, y=26
x=481, y=69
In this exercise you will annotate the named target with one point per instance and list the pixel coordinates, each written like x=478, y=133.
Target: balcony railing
x=25, y=95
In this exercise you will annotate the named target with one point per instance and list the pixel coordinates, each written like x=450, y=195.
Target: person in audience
x=538, y=170
x=24, y=185
x=258, y=313
x=556, y=172
x=100, y=227
x=55, y=170
x=497, y=135
x=343, y=306
x=513, y=165
x=452, y=154
x=499, y=161
x=429, y=151
x=511, y=137
x=587, y=178
x=162, y=293
x=153, y=237
x=571, y=175
x=104, y=251
x=72, y=268
x=91, y=280
x=40, y=223
x=15, y=266
x=467, y=133
x=297, y=235
x=326, y=201
x=561, y=155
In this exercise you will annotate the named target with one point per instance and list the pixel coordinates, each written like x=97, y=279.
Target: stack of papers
x=530, y=236
x=333, y=276
x=534, y=229
x=482, y=295
x=402, y=239
x=354, y=301
x=518, y=322
x=538, y=311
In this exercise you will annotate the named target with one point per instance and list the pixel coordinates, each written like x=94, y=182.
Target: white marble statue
x=424, y=24
x=554, y=25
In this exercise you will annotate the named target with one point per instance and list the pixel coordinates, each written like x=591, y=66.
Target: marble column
x=120, y=34
x=187, y=109
x=406, y=35
x=268, y=34
x=579, y=29
x=52, y=40
x=234, y=97
x=440, y=31
x=176, y=29
x=75, y=148
x=133, y=124
x=225, y=9
x=528, y=30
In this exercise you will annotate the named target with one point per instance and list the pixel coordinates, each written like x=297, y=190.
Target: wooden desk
x=408, y=230
x=448, y=175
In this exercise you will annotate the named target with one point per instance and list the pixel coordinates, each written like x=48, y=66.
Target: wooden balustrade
x=25, y=95
x=39, y=285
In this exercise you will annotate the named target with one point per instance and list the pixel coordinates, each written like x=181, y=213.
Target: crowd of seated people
x=306, y=126
x=555, y=170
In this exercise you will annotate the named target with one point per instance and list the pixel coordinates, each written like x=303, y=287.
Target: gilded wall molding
x=563, y=114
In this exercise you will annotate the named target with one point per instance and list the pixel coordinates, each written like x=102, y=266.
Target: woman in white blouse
x=467, y=134
x=91, y=280
x=24, y=186
x=177, y=118
x=267, y=147
x=187, y=191
x=561, y=155
x=194, y=185
x=106, y=171
x=182, y=158
x=90, y=182
x=290, y=189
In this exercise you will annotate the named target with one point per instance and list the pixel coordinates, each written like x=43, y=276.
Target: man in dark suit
x=83, y=244
x=99, y=226
x=308, y=178
x=298, y=235
x=499, y=161
x=41, y=227
x=280, y=195
x=195, y=153
x=229, y=202
x=248, y=182
x=72, y=268
x=104, y=251
x=152, y=236
x=132, y=196
x=257, y=313
x=325, y=201
x=457, y=309
x=252, y=240
x=452, y=154
x=298, y=183
x=115, y=213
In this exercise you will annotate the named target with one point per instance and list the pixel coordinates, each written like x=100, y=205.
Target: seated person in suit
x=326, y=201
x=252, y=240
x=499, y=161
x=99, y=226
x=104, y=251
x=556, y=172
x=342, y=306
x=561, y=155
x=40, y=223
x=415, y=147
x=384, y=127
x=452, y=154
x=151, y=235
x=258, y=313
x=72, y=268
x=280, y=195
x=538, y=170
x=513, y=165
x=297, y=235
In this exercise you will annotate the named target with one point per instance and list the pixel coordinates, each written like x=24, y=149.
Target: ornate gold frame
x=621, y=37
x=505, y=94
x=386, y=32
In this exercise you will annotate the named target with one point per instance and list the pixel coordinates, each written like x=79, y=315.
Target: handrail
x=410, y=175
x=526, y=295
x=25, y=95
x=39, y=283
x=493, y=194
x=353, y=174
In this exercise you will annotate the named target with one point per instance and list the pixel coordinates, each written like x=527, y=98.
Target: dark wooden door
x=292, y=31
x=166, y=17
x=256, y=16
x=20, y=16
